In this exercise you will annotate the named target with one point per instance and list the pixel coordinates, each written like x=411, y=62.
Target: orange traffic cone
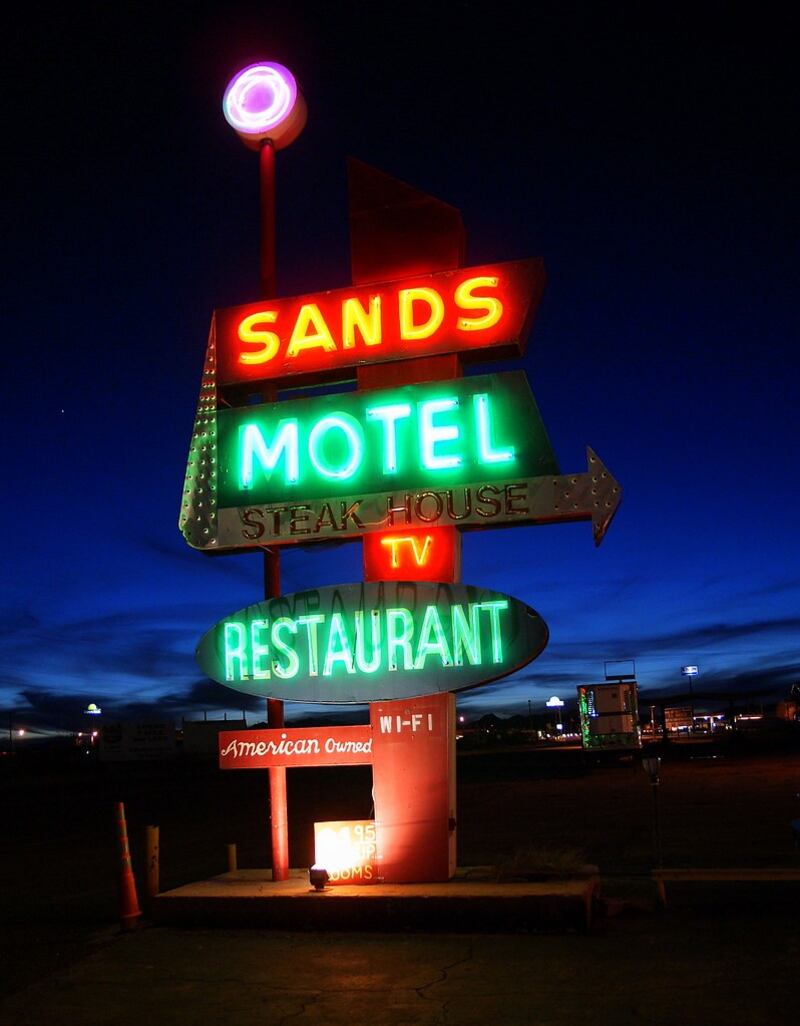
x=129, y=910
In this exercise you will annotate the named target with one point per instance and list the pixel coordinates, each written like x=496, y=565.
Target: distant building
x=609, y=715
x=200, y=737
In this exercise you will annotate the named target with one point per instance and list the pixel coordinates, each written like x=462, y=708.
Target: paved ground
x=676, y=969
x=63, y=960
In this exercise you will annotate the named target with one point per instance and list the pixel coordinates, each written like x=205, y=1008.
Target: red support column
x=414, y=784
x=266, y=166
x=397, y=230
x=279, y=818
x=278, y=812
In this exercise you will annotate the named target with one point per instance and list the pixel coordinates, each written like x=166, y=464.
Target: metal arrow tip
x=606, y=493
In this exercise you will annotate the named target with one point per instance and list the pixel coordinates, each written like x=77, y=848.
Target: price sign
x=348, y=850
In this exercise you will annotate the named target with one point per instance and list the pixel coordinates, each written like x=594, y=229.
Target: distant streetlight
x=554, y=702
x=691, y=672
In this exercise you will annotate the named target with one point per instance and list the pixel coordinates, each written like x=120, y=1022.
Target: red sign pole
x=279, y=816
x=395, y=228
x=266, y=167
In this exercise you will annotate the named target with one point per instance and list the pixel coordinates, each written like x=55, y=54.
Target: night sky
x=647, y=155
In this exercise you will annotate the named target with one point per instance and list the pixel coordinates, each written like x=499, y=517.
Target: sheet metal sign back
x=372, y=641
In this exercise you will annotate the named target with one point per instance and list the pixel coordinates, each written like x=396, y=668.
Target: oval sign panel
x=373, y=641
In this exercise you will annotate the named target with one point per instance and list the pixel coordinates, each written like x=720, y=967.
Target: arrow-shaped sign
x=545, y=499
x=593, y=496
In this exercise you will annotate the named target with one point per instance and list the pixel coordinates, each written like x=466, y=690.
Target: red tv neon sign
x=430, y=555
x=467, y=311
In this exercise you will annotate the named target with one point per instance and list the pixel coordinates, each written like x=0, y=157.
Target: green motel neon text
x=336, y=445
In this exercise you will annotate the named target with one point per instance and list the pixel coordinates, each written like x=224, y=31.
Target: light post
x=264, y=106
x=691, y=672
x=554, y=702
x=652, y=766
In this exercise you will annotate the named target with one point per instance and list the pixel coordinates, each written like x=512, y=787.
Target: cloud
x=681, y=640
x=139, y=662
x=45, y=708
x=773, y=680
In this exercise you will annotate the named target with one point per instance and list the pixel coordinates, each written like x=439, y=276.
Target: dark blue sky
x=648, y=157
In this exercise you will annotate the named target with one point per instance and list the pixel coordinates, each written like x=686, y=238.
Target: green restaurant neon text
x=364, y=642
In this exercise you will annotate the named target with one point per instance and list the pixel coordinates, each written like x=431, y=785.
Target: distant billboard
x=136, y=742
x=678, y=717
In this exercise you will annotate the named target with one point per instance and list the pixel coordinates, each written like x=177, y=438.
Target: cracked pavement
x=643, y=969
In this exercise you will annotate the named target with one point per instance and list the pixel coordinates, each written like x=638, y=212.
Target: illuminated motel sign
x=436, y=434
x=414, y=453
x=361, y=643
x=467, y=452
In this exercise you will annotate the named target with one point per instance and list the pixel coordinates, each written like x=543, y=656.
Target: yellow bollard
x=232, y=858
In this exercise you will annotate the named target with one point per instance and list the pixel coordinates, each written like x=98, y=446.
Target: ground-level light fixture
x=318, y=877
x=262, y=102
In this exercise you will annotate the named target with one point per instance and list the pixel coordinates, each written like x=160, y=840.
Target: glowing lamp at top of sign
x=262, y=101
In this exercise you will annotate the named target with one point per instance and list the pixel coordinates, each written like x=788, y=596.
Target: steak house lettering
x=425, y=507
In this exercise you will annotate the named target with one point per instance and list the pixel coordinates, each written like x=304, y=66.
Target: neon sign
x=427, y=555
x=437, y=434
x=373, y=641
x=464, y=311
x=420, y=549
